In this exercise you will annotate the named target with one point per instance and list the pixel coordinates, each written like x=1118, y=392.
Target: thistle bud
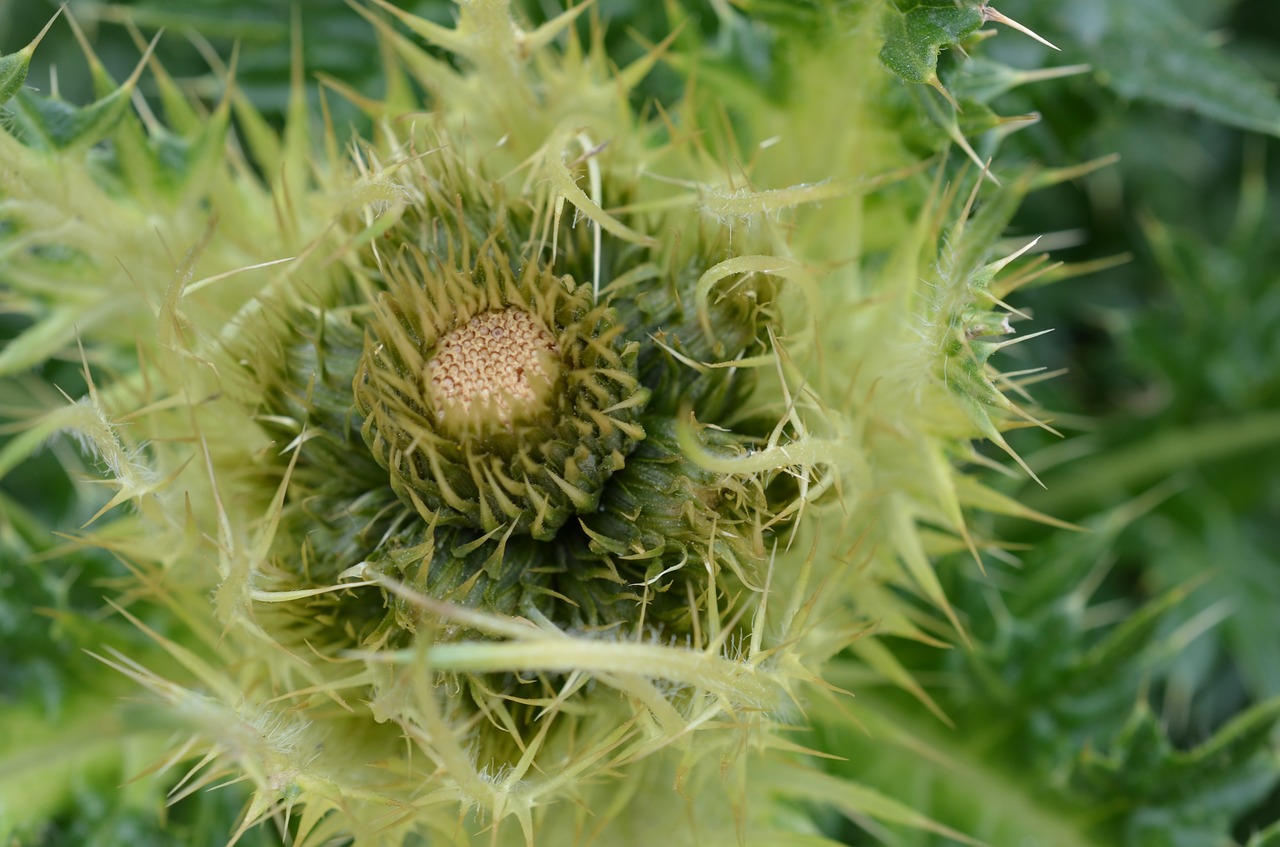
x=496, y=398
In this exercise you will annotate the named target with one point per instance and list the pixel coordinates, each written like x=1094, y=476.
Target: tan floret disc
x=497, y=366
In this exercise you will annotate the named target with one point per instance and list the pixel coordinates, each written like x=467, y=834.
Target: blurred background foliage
x=1122, y=684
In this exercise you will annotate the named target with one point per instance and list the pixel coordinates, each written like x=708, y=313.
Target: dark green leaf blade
x=914, y=38
x=1149, y=50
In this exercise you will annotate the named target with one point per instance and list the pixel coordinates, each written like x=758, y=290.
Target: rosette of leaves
x=525, y=599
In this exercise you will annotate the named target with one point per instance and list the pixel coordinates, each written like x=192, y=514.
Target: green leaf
x=900, y=751
x=914, y=38
x=51, y=123
x=13, y=72
x=1149, y=50
x=858, y=801
x=1197, y=793
x=47, y=123
x=14, y=67
x=1131, y=636
x=1229, y=749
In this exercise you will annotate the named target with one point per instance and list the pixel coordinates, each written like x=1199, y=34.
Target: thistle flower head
x=496, y=401
x=507, y=461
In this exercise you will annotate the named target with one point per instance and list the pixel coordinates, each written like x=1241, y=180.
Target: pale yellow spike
x=1001, y=264
x=30, y=49
x=1013, y=454
x=1045, y=74
x=102, y=80
x=568, y=190
x=630, y=76
x=449, y=39
x=946, y=95
x=531, y=42
x=1021, y=338
x=954, y=133
x=991, y=14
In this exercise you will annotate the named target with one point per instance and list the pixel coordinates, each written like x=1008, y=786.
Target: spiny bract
x=515, y=470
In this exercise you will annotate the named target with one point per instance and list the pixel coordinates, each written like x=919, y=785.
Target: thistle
x=514, y=472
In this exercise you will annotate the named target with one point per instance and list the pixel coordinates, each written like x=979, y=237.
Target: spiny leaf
x=857, y=800
x=1159, y=455
x=1215, y=781
x=13, y=72
x=915, y=37
x=1131, y=637
x=951, y=778
x=50, y=123
x=13, y=67
x=1147, y=49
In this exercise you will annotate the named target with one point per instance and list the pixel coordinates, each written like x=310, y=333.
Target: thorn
x=937, y=86
x=1001, y=264
x=35, y=42
x=991, y=14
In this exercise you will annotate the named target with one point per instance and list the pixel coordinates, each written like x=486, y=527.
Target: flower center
x=496, y=367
